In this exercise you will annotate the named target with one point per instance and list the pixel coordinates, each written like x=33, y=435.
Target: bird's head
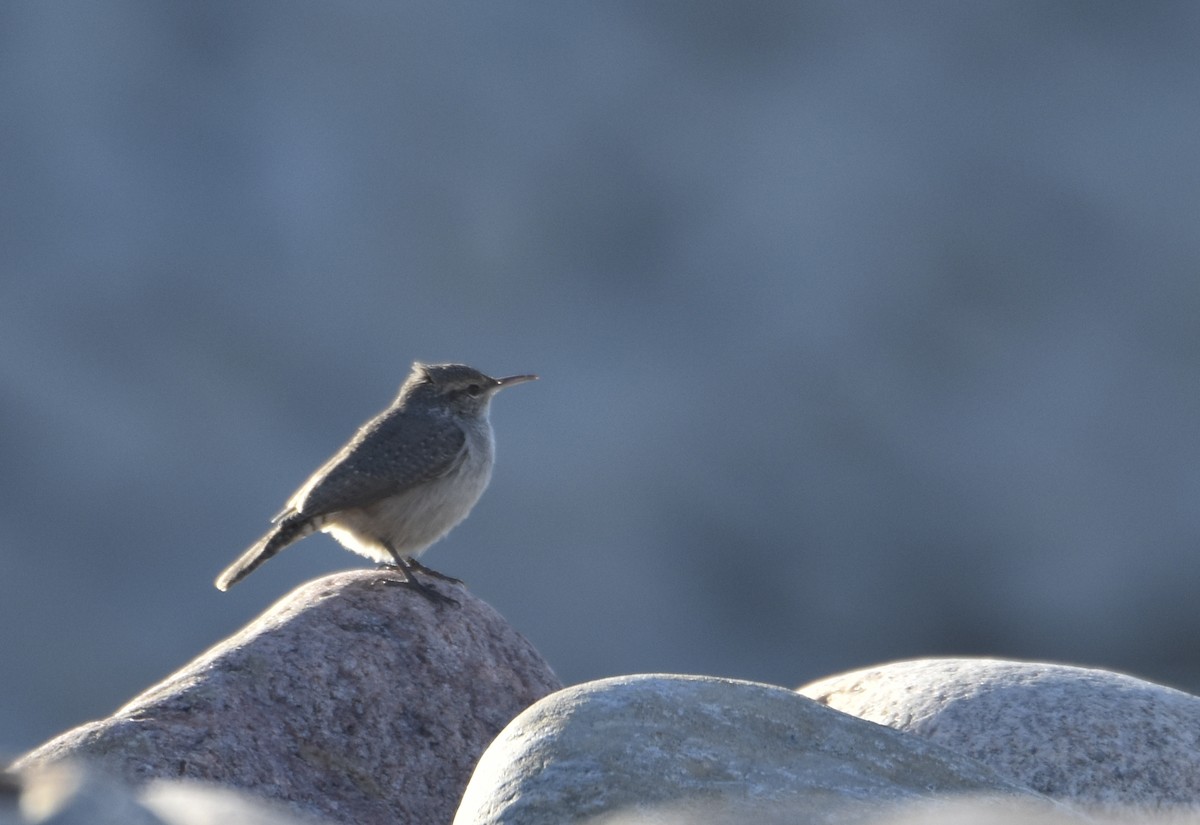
x=461, y=389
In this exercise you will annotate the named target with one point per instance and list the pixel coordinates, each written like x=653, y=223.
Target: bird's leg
x=415, y=565
x=407, y=568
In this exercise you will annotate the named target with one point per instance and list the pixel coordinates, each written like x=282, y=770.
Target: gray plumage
x=405, y=479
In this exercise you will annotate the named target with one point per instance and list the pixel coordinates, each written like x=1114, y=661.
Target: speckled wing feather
x=388, y=454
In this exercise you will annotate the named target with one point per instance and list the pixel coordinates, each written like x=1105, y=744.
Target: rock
x=68, y=793
x=971, y=811
x=179, y=802
x=351, y=698
x=1093, y=738
x=699, y=749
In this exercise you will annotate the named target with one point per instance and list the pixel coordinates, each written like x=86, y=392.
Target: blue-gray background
x=866, y=330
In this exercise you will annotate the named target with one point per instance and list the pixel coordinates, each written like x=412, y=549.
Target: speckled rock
x=350, y=698
x=1093, y=738
x=699, y=749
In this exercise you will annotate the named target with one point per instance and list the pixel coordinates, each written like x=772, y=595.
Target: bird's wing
x=390, y=453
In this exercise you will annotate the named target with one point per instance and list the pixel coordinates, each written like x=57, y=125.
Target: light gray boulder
x=68, y=793
x=1093, y=738
x=351, y=698
x=179, y=802
x=654, y=748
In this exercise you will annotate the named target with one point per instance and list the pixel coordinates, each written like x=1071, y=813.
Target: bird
x=402, y=482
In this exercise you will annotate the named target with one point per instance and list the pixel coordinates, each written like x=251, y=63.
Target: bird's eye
x=474, y=389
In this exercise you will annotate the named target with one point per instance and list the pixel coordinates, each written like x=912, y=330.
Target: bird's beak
x=511, y=380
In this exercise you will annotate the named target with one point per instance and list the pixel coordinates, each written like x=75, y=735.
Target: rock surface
x=65, y=793
x=351, y=698
x=700, y=749
x=1091, y=738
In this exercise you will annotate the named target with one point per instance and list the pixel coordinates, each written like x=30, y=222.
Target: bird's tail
x=280, y=536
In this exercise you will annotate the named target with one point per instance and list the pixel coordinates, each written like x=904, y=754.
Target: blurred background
x=866, y=330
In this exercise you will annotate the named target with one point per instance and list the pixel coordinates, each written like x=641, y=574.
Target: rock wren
x=407, y=477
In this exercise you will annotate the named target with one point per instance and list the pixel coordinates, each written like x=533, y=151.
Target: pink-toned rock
x=351, y=698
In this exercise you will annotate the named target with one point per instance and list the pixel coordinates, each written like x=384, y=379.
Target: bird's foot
x=409, y=579
x=414, y=565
